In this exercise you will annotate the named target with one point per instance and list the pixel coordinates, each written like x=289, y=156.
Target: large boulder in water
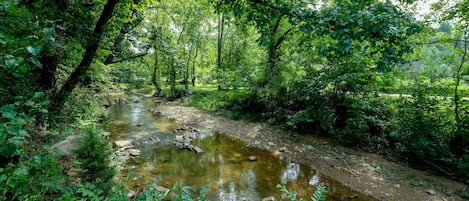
x=185, y=138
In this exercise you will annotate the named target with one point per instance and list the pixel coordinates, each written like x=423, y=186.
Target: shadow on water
x=224, y=165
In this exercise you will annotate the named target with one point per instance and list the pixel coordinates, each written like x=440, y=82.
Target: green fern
x=320, y=194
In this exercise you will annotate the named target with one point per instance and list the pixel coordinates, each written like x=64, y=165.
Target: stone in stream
x=123, y=143
x=197, y=149
x=134, y=152
x=184, y=141
x=252, y=158
x=271, y=198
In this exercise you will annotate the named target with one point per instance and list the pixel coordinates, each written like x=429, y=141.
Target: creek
x=226, y=165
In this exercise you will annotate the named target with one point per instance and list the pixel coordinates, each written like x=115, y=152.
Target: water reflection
x=314, y=181
x=290, y=173
x=224, y=165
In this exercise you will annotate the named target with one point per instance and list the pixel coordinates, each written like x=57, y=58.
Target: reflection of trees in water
x=290, y=173
x=314, y=180
x=242, y=188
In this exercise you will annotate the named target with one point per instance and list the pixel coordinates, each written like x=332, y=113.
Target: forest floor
x=365, y=172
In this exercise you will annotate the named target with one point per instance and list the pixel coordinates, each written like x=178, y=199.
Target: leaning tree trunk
x=59, y=98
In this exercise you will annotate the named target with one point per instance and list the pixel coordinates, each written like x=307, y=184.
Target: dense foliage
x=365, y=73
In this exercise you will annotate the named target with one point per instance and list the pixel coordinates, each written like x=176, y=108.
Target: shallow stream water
x=224, y=165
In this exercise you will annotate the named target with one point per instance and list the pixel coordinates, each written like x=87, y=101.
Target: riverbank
x=361, y=171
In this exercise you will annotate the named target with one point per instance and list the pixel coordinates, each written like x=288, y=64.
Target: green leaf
x=33, y=50
x=23, y=68
x=46, y=102
x=8, y=111
x=11, y=63
x=36, y=62
x=29, y=103
x=22, y=171
x=17, y=75
x=38, y=94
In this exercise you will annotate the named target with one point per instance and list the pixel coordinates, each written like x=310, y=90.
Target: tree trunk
x=172, y=80
x=193, y=66
x=92, y=45
x=155, y=78
x=47, y=77
x=458, y=80
x=272, y=72
x=186, y=70
x=221, y=30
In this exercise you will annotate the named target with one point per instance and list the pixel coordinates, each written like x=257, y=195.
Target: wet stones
x=155, y=112
x=134, y=152
x=252, y=158
x=123, y=143
x=185, y=137
x=271, y=198
x=124, y=151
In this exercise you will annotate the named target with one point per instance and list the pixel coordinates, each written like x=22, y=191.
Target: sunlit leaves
x=378, y=28
x=33, y=50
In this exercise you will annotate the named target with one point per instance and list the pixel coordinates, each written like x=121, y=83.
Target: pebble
x=252, y=158
x=271, y=198
x=353, y=196
x=431, y=192
x=397, y=186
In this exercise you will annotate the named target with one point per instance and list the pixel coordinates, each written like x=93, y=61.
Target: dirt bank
x=363, y=172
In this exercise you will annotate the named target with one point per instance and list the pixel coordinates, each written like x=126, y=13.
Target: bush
x=94, y=154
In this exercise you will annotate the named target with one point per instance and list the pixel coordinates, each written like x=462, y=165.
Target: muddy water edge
x=233, y=170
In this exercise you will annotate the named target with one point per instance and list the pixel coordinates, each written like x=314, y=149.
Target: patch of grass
x=235, y=103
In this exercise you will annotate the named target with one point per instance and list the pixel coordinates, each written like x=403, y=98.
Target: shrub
x=94, y=154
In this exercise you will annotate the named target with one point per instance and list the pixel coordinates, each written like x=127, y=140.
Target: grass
x=234, y=103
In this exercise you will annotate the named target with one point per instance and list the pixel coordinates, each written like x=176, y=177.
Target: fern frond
x=320, y=194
